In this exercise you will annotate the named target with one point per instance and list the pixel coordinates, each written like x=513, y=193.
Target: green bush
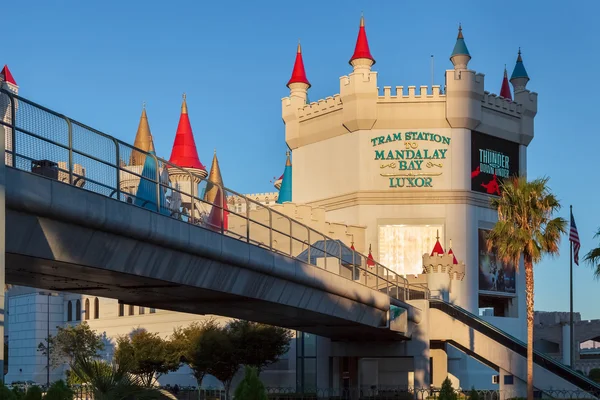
x=6, y=393
x=18, y=393
x=33, y=393
x=474, y=394
x=250, y=388
x=59, y=391
x=447, y=391
x=595, y=374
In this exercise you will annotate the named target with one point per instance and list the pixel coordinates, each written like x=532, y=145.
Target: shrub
x=595, y=374
x=59, y=391
x=250, y=388
x=33, y=393
x=474, y=394
x=6, y=393
x=18, y=393
x=447, y=391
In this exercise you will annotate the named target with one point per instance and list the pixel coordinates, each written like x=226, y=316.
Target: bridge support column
x=439, y=367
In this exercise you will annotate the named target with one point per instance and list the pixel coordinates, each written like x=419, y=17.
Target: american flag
x=574, y=239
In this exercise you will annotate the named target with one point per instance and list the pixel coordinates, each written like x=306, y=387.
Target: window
x=142, y=310
x=401, y=247
x=152, y=310
x=121, y=309
x=96, y=308
x=70, y=311
x=87, y=309
x=78, y=310
x=306, y=361
x=131, y=310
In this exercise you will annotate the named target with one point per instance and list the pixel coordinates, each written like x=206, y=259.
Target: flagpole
x=571, y=295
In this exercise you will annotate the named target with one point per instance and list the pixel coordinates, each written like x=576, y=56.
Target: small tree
x=147, y=355
x=225, y=361
x=193, y=348
x=474, y=394
x=447, y=391
x=59, y=391
x=250, y=388
x=70, y=342
x=33, y=393
x=259, y=345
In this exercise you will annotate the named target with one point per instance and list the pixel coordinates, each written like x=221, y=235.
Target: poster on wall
x=492, y=160
x=494, y=275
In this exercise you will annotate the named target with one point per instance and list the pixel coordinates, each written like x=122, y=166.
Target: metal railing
x=45, y=142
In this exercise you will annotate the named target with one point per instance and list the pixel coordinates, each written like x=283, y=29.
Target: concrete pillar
x=2, y=251
x=566, y=344
x=440, y=366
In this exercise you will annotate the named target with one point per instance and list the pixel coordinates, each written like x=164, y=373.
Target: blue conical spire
x=146, y=192
x=460, y=48
x=519, y=71
x=285, y=192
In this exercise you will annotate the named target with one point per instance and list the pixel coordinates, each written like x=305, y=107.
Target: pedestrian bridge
x=80, y=217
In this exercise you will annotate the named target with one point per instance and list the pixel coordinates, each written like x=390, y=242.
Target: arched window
x=130, y=310
x=70, y=311
x=121, y=309
x=87, y=309
x=96, y=308
x=78, y=310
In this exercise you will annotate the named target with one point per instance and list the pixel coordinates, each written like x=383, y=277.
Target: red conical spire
x=370, y=259
x=454, y=260
x=298, y=74
x=438, y=247
x=184, y=153
x=505, y=90
x=362, y=44
x=8, y=76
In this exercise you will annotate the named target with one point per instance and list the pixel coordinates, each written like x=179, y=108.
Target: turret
x=519, y=77
x=505, y=89
x=7, y=82
x=185, y=155
x=285, y=192
x=213, y=178
x=358, y=90
x=464, y=88
x=298, y=85
x=460, y=55
x=143, y=141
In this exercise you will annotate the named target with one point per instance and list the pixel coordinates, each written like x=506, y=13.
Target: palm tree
x=593, y=257
x=113, y=381
x=526, y=228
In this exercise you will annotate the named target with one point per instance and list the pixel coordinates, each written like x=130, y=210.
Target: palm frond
x=593, y=259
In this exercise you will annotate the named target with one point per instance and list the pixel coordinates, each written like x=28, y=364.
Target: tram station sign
x=492, y=160
x=411, y=159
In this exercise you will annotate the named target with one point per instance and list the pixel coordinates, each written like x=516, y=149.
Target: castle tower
x=298, y=85
x=505, y=89
x=358, y=91
x=285, y=192
x=7, y=82
x=185, y=155
x=143, y=140
x=210, y=193
x=519, y=77
x=460, y=55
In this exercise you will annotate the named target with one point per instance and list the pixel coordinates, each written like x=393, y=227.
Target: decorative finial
x=362, y=19
x=215, y=151
x=369, y=247
x=143, y=105
x=437, y=234
x=184, y=109
x=450, y=243
x=299, y=47
x=460, y=35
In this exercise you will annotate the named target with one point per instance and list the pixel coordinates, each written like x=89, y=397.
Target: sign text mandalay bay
x=416, y=157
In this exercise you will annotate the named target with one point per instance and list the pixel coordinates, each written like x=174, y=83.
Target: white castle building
x=396, y=172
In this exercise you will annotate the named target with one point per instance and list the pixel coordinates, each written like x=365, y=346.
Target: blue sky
x=98, y=61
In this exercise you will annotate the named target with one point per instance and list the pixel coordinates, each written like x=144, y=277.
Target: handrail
x=516, y=345
x=377, y=277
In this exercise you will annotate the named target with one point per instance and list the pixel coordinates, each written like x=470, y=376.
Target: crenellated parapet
x=320, y=107
x=426, y=94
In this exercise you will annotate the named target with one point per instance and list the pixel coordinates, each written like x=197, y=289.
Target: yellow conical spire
x=184, y=105
x=214, y=176
x=143, y=140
